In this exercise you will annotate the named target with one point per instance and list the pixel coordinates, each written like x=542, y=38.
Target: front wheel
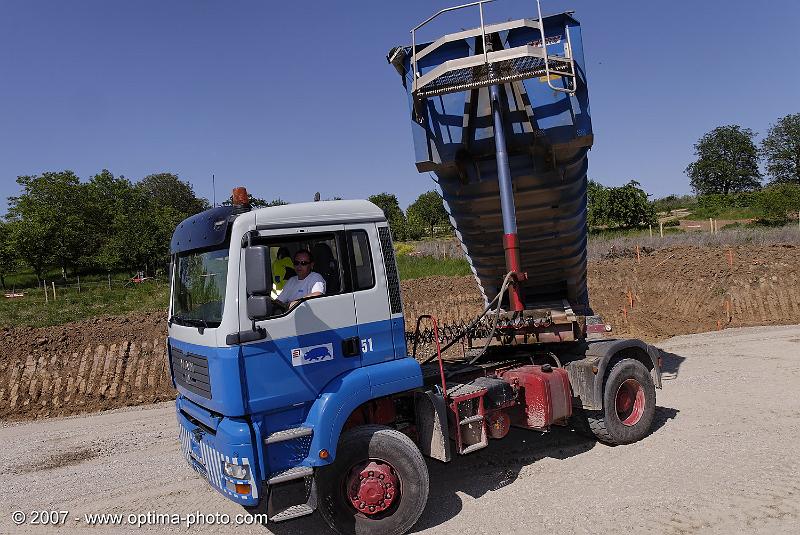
x=377, y=484
x=629, y=405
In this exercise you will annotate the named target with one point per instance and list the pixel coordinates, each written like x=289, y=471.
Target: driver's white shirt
x=297, y=289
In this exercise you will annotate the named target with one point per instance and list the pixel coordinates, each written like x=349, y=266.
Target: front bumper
x=206, y=447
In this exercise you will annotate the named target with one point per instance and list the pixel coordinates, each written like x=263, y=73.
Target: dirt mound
x=110, y=362
x=659, y=294
x=686, y=290
x=95, y=364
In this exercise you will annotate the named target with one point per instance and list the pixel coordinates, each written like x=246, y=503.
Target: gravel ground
x=724, y=457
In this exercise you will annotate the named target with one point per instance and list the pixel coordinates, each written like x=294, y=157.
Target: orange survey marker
x=730, y=257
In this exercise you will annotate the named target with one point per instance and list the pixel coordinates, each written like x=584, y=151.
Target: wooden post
x=54, y=289
x=650, y=228
x=109, y=281
x=719, y=325
x=711, y=224
x=79, y=284
x=661, y=228
x=44, y=285
x=638, y=258
x=730, y=257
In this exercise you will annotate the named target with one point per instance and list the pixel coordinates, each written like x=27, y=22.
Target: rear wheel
x=629, y=404
x=377, y=484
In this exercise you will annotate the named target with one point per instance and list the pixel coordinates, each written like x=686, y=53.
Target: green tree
x=727, y=162
x=629, y=207
x=394, y=214
x=140, y=234
x=597, y=204
x=777, y=201
x=108, y=198
x=429, y=210
x=8, y=254
x=166, y=189
x=622, y=207
x=781, y=150
x=51, y=213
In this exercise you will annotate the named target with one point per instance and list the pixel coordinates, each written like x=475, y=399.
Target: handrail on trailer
x=414, y=73
x=568, y=51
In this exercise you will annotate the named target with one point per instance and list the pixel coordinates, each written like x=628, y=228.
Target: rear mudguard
x=587, y=384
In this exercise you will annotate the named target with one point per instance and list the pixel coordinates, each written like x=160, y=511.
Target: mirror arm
x=247, y=238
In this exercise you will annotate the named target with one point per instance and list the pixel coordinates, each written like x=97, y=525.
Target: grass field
x=97, y=299
x=70, y=305
x=415, y=267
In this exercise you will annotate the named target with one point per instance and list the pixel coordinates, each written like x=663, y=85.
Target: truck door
x=311, y=343
x=373, y=314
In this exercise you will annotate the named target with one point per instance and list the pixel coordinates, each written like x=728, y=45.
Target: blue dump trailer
x=287, y=340
x=465, y=87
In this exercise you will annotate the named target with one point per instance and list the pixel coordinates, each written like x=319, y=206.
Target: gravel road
x=724, y=458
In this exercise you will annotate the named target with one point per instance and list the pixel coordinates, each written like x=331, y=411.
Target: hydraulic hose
x=497, y=298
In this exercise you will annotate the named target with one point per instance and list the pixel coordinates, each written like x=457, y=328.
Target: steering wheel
x=280, y=305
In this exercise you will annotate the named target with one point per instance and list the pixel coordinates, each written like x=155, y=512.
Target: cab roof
x=318, y=213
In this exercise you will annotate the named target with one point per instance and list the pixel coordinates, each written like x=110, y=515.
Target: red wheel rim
x=372, y=486
x=630, y=402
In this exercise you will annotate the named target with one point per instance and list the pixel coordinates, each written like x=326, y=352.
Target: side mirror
x=258, y=270
x=259, y=307
x=258, y=276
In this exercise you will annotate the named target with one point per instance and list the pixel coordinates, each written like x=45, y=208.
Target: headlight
x=235, y=471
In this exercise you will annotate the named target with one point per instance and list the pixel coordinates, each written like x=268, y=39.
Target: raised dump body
x=544, y=108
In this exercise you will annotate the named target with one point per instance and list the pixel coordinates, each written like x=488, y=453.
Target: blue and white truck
x=318, y=405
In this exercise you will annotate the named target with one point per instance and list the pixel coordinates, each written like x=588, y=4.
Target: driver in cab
x=307, y=283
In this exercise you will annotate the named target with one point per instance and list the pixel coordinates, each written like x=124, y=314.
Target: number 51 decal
x=366, y=345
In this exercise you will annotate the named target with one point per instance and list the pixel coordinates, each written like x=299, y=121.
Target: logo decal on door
x=312, y=354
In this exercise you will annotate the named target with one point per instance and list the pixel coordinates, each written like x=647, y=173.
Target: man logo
x=312, y=354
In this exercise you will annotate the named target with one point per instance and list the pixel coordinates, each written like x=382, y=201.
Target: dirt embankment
x=111, y=362
x=86, y=366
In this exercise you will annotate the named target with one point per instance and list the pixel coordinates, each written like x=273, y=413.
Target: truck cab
x=263, y=393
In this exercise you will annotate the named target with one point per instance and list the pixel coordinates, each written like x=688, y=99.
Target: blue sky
x=295, y=97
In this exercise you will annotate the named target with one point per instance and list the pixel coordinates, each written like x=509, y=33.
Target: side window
x=363, y=274
x=293, y=278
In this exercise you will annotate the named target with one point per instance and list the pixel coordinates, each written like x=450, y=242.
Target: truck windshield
x=199, y=289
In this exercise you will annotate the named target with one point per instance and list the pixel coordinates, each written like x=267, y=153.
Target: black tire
x=608, y=425
x=374, y=442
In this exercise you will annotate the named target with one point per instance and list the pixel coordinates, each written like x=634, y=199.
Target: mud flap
x=431, y=413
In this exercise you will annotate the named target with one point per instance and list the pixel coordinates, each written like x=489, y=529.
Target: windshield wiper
x=201, y=324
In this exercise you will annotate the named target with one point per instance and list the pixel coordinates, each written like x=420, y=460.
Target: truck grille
x=191, y=372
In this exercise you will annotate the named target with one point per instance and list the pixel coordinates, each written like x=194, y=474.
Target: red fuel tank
x=545, y=393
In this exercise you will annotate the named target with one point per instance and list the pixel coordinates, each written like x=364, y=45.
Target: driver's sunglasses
x=301, y=263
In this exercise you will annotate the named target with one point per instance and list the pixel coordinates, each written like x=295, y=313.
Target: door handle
x=351, y=347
